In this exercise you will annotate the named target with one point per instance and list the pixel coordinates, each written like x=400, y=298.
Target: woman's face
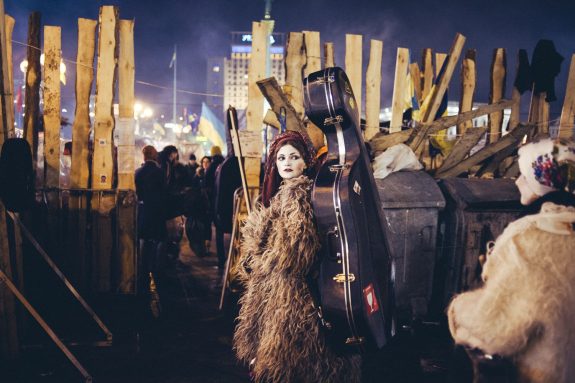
x=289, y=162
x=206, y=163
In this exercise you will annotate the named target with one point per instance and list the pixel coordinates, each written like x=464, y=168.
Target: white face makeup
x=289, y=162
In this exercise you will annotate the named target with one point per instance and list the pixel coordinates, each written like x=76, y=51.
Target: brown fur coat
x=526, y=308
x=278, y=331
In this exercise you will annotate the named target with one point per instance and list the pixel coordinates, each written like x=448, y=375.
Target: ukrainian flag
x=212, y=128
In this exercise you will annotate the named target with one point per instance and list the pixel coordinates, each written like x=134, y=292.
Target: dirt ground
x=191, y=340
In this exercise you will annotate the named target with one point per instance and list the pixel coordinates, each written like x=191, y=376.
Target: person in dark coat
x=191, y=167
x=210, y=182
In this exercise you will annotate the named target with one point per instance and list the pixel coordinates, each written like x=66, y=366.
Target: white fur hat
x=548, y=165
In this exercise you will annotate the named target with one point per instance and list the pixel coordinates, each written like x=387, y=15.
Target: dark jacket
x=150, y=188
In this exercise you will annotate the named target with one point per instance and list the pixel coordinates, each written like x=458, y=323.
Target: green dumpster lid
x=476, y=193
x=409, y=189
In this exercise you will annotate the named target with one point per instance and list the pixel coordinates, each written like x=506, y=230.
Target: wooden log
x=497, y=90
x=416, y=80
x=328, y=54
x=514, y=138
x=399, y=89
x=516, y=95
x=381, y=141
x=312, y=52
x=439, y=90
x=354, y=68
x=277, y=100
x=294, y=65
x=52, y=58
x=9, y=342
x=33, y=75
x=9, y=25
x=373, y=89
x=271, y=119
x=468, y=81
x=79, y=171
x=427, y=70
x=126, y=262
x=103, y=162
x=568, y=111
x=464, y=144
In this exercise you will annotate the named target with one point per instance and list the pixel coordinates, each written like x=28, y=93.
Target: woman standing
x=278, y=332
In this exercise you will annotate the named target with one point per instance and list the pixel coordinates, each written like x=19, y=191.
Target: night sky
x=201, y=29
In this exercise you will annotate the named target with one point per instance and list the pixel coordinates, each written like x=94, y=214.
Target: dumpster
x=411, y=202
x=477, y=211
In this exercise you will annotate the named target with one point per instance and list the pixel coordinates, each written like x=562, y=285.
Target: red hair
x=272, y=179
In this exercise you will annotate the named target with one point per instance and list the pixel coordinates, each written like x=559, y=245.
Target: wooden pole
x=468, y=81
x=397, y=103
x=52, y=58
x=33, y=75
x=415, y=73
x=354, y=68
x=9, y=96
x=126, y=167
x=373, y=89
x=498, y=76
x=103, y=162
x=6, y=87
x=516, y=94
x=427, y=70
x=9, y=342
x=568, y=111
x=328, y=54
x=439, y=60
x=312, y=52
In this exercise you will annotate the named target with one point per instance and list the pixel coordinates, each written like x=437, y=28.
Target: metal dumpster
x=411, y=202
x=478, y=210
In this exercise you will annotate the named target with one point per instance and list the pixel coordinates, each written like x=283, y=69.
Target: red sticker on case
x=370, y=299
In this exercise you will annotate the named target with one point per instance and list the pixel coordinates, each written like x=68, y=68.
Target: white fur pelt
x=278, y=331
x=526, y=308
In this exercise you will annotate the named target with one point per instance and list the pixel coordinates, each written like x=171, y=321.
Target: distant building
x=235, y=71
x=215, y=86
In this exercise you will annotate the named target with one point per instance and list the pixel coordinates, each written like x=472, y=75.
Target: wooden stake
x=373, y=89
x=9, y=23
x=277, y=100
x=312, y=52
x=439, y=60
x=416, y=80
x=103, y=162
x=468, y=80
x=399, y=89
x=464, y=144
x=6, y=86
x=427, y=70
x=568, y=112
x=498, y=76
x=328, y=53
x=353, y=67
x=33, y=75
x=52, y=58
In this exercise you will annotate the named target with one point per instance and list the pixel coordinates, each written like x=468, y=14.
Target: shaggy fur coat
x=278, y=331
x=526, y=308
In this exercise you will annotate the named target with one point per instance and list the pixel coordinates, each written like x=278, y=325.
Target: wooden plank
x=514, y=138
x=294, y=63
x=271, y=119
x=6, y=86
x=312, y=52
x=79, y=171
x=328, y=54
x=9, y=24
x=568, y=111
x=543, y=114
x=381, y=141
x=439, y=90
x=439, y=61
x=277, y=99
x=102, y=163
x=399, y=88
x=497, y=90
x=516, y=95
x=33, y=75
x=52, y=58
x=126, y=262
x=354, y=68
x=427, y=70
x=416, y=80
x=373, y=89
x=464, y=144
x=468, y=81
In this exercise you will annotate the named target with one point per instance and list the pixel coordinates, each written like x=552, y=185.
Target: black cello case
x=355, y=279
